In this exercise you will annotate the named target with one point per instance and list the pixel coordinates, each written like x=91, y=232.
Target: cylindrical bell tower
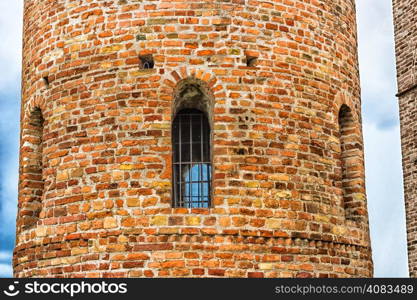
x=191, y=138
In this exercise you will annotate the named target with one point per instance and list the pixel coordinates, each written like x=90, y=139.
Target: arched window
x=31, y=179
x=191, y=159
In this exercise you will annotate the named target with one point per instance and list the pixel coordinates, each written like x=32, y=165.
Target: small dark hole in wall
x=241, y=151
x=146, y=61
x=251, y=61
x=46, y=81
x=140, y=37
x=36, y=118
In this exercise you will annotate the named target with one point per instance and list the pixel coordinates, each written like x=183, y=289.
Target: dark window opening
x=251, y=61
x=192, y=160
x=146, y=61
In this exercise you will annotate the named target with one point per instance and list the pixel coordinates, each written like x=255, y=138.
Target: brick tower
x=191, y=138
x=405, y=17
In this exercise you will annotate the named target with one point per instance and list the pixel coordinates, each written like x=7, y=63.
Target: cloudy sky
x=380, y=117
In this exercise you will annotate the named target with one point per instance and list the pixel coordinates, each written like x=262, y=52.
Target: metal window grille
x=192, y=159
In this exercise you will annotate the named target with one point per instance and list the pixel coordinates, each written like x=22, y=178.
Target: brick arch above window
x=193, y=93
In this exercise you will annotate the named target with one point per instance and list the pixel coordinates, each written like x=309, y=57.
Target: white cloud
x=377, y=61
x=5, y=255
x=382, y=138
x=11, y=40
x=11, y=16
x=6, y=271
x=376, y=46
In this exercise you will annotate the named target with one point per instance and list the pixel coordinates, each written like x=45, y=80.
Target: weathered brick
x=96, y=179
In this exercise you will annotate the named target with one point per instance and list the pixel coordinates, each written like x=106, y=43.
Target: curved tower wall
x=288, y=195
x=405, y=12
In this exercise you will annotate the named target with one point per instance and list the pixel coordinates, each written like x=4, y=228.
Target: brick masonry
x=281, y=86
x=405, y=18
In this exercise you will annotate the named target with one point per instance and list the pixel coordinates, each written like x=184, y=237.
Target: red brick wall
x=405, y=17
x=278, y=181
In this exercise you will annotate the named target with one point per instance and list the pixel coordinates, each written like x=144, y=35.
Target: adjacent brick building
x=405, y=20
x=110, y=90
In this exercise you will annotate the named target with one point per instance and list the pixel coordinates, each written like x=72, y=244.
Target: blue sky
x=380, y=124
